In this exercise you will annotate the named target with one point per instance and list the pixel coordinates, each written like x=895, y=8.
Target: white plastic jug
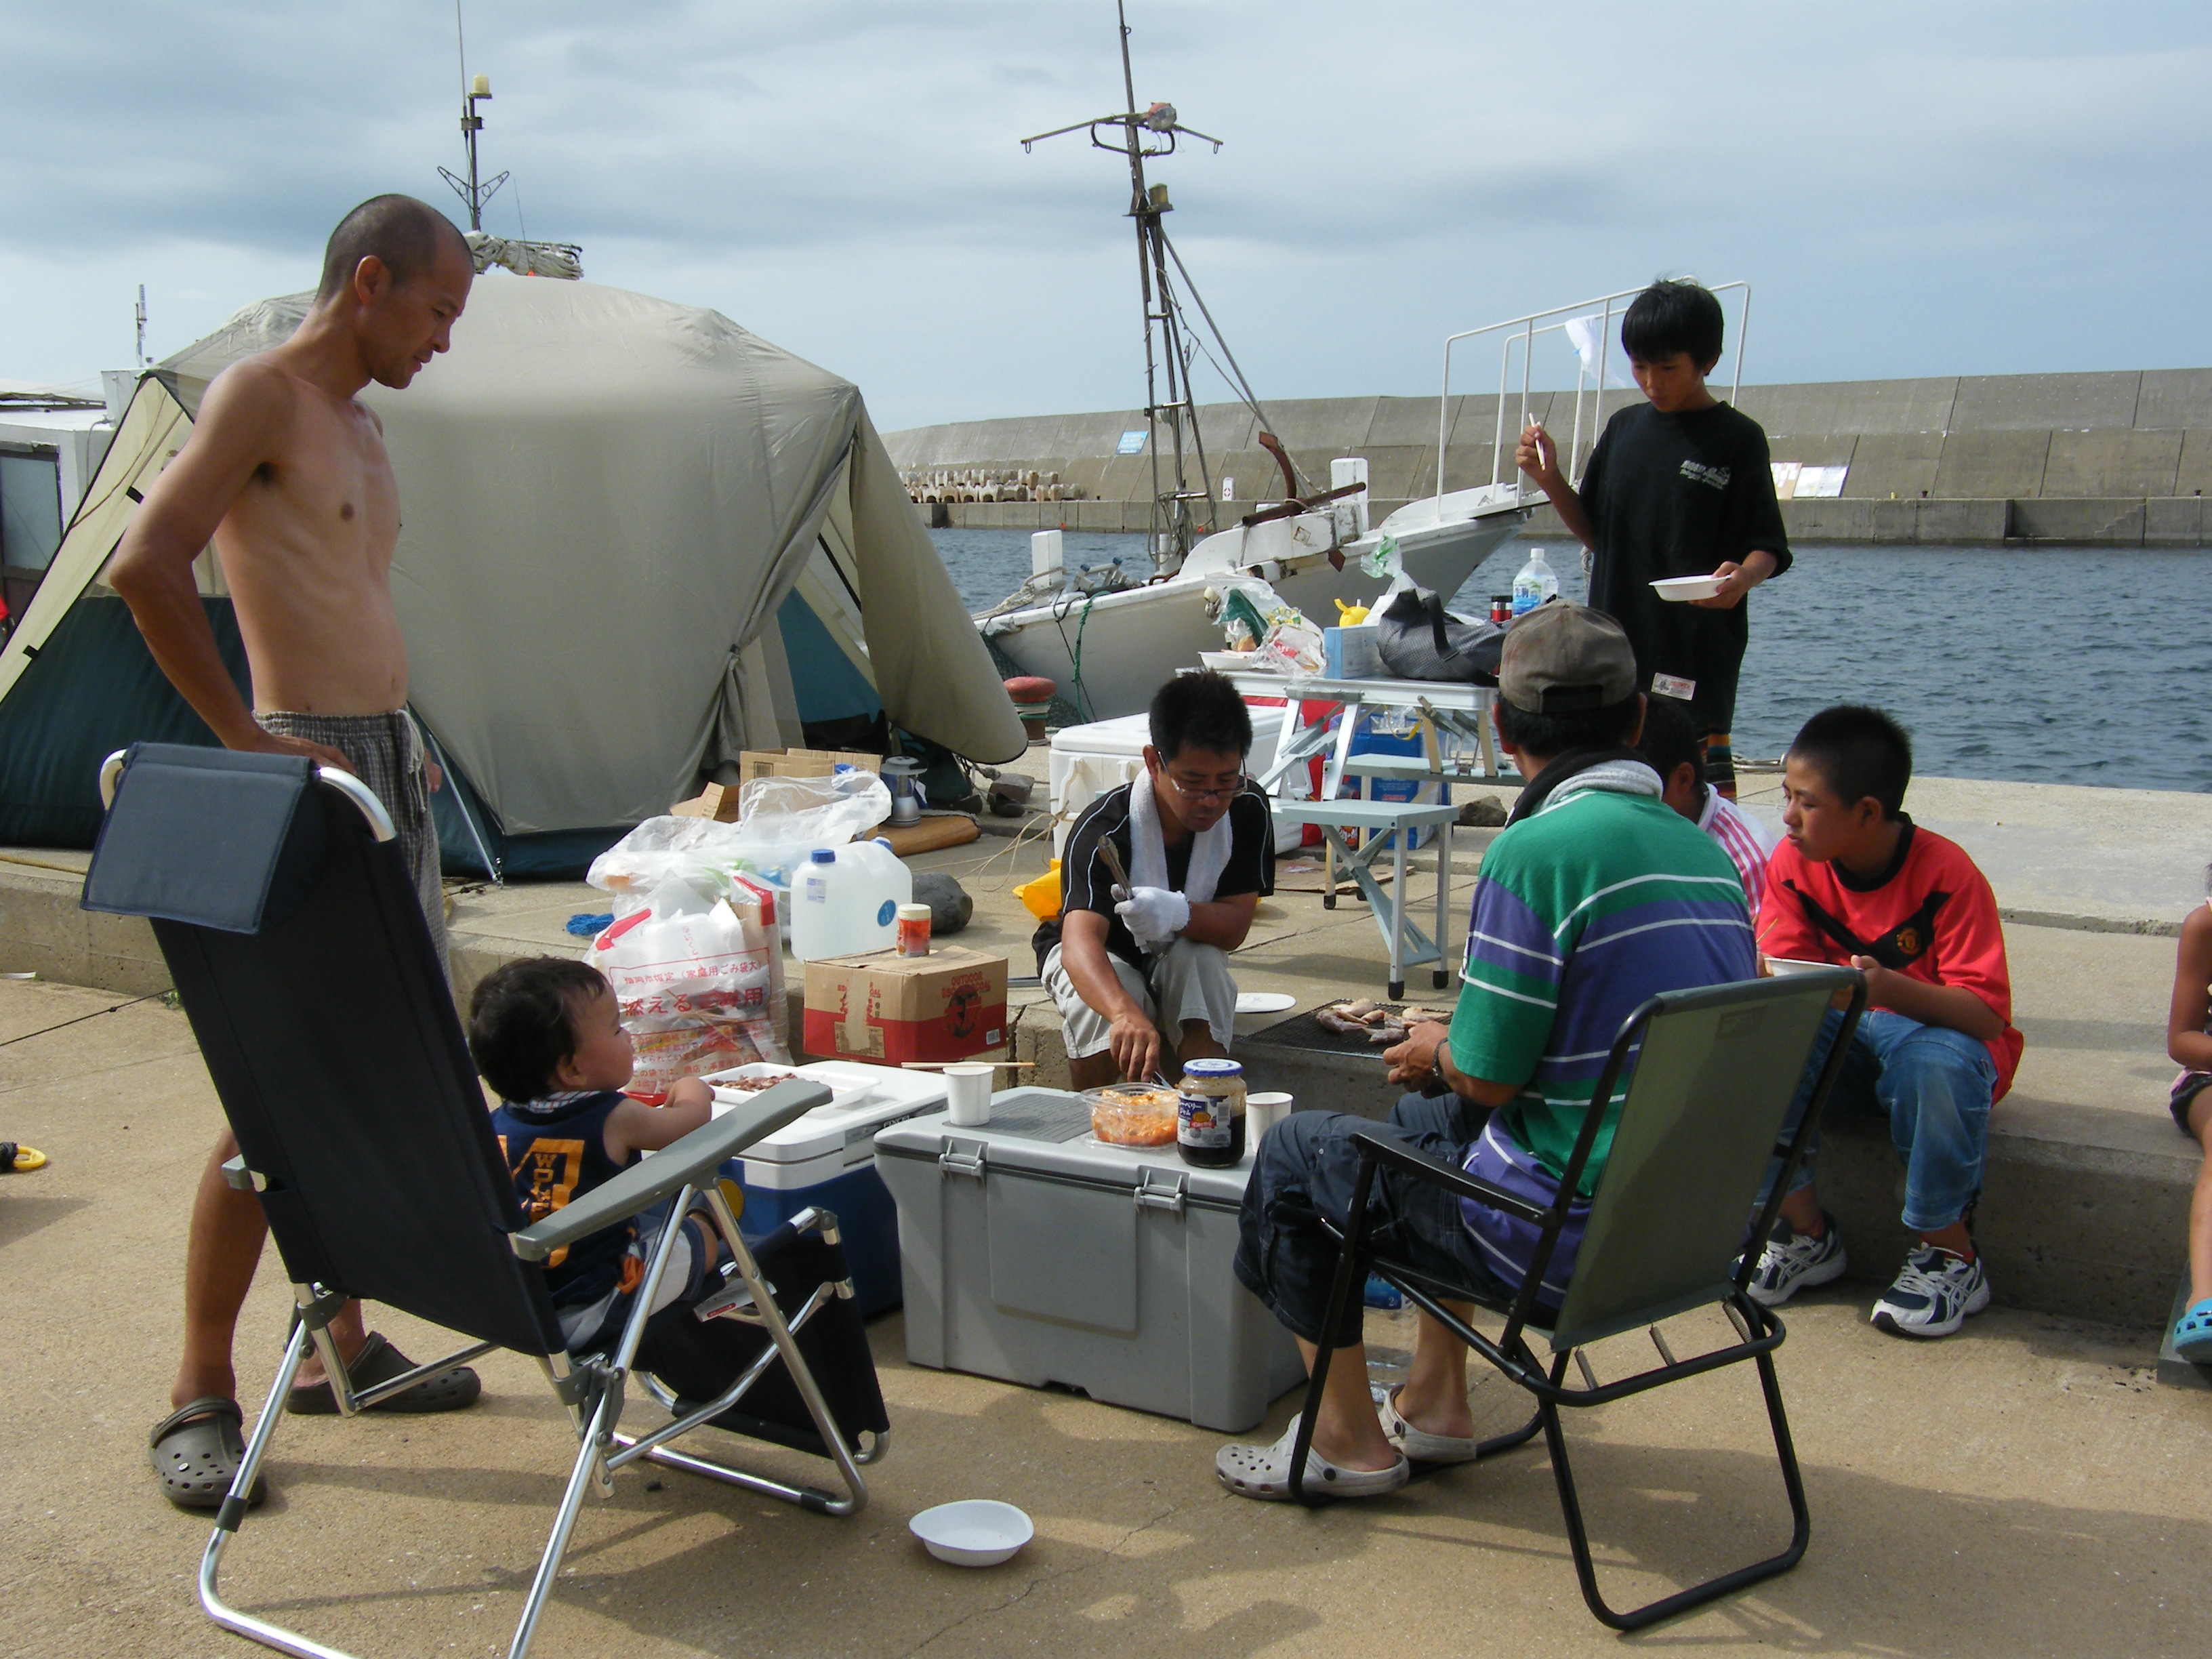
x=886, y=884
x=844, y=900
x=1537, y=584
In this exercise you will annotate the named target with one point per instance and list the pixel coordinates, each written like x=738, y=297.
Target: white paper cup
x=967, y=1095
x=1261, y=1113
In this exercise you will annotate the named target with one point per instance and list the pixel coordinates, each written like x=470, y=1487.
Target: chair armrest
x=1422, y=1167
x=683, y=1162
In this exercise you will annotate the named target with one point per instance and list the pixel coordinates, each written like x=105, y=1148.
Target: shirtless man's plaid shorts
x=386, y=751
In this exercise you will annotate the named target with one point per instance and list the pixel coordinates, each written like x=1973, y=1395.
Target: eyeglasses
x=1195, y=791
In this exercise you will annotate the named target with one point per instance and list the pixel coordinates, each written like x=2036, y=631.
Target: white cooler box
x=827, y=1158
x=1090, y=761
x=1033, y=1253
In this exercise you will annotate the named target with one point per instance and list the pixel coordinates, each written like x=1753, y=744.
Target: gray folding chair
x=299, y=951
x=1714, y=1071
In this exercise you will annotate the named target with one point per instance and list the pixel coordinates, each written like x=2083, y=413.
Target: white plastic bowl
x=1784, y=966
x=1680, y=589
x=977, y=1532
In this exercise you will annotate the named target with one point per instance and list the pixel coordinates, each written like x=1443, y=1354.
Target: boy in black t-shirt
x=1677, y=486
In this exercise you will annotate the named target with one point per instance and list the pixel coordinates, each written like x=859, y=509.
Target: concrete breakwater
x=2118, y=460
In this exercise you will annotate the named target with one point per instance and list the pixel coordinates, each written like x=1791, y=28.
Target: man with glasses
x=1141, y=965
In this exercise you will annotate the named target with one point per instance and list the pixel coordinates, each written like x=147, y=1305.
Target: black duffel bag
x=1417, y=639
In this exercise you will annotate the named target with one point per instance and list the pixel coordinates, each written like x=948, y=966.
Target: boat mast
x=1171, y=415
x=472, y=90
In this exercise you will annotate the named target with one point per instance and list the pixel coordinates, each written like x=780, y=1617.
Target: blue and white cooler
x=827, y=1158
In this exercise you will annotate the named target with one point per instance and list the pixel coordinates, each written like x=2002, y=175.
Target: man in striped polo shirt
x=1595, y=896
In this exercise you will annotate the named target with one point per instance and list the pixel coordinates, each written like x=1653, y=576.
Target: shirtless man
x=287, y=474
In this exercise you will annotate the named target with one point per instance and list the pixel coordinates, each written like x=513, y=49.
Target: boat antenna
x=1140, y=135
x=143, y=360
x=476, y=195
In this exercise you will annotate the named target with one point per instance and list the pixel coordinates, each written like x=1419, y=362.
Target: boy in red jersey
x=1857, y=881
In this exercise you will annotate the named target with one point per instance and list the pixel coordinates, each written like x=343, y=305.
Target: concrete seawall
x=2118, y=459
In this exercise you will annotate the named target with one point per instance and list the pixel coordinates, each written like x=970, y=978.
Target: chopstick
x=940, y=1065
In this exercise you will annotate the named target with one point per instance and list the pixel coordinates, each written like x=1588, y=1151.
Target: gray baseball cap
x=1561, y=657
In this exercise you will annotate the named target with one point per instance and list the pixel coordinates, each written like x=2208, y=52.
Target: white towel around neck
x=1148, y=850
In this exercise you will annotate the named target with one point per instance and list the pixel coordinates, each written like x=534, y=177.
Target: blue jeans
x=1935, y=1084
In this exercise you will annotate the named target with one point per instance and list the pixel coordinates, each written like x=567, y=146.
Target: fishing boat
x=1108, y=642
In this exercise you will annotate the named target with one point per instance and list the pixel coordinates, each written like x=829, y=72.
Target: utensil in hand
x=1112, y=855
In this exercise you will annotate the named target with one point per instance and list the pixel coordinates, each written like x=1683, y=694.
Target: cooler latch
x=962, y=1158
x=1150, y=1197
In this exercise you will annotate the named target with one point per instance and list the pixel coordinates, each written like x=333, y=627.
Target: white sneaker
x=1793, y=1262
x=1933, y=1294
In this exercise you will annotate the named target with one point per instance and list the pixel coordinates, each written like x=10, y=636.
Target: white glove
x=1155, y=915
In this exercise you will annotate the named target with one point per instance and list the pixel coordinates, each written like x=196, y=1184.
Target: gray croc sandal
x=1264, y=1473
x=195, y=1451
x=380, y=1362
x=1418, y=1444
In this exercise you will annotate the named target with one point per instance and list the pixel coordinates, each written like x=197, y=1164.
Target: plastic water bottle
x=1537, y=584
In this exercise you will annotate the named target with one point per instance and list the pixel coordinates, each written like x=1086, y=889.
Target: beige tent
x=637, y=539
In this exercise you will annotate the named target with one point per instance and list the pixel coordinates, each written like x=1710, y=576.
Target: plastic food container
x=1680, y=589
x=1132, y=1114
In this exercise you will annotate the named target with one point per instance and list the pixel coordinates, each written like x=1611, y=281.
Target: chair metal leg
x=1697, y=1594
x=1339, y=1297
x=233, y=1513
x=585, y=1474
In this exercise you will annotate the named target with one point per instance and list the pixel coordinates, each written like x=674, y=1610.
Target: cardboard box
x=1349, y=653
x=718, y=801
x=889, y=1009
x=801, y=762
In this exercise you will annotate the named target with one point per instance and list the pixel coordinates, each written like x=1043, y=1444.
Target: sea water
x=2045, y=665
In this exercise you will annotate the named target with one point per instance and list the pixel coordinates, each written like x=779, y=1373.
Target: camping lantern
x=903, y=777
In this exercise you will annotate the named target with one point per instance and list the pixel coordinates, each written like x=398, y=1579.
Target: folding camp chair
x=1714, y=1071
x=298, y=948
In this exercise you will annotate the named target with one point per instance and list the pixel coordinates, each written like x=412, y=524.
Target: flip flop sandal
x=2192, y=1333
x=1264, y=1473
x=380, y=1362
x=1418, y=1444
x=195, y=1451
x=20, y=1160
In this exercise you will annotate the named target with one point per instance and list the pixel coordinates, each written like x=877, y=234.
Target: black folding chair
x=298, y=948
x=1715, y=1071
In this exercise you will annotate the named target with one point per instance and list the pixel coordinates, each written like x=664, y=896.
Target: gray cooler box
x=1031, y=1252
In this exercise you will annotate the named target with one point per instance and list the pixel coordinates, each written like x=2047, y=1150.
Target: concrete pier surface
x=2114, y=459
x=2023, y=1488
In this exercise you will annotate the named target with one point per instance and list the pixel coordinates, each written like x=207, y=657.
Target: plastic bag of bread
x=1133, y=1114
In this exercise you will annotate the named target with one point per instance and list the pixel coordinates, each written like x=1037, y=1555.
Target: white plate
x=1231, y=662
x=1785, y=966
x=977, y=1532
x=1678, y=589
x=1264, y=1002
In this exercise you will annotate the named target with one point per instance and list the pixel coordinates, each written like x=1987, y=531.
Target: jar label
x=1202, y=1121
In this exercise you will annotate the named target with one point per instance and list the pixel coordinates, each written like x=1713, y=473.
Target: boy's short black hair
x=1552, y=735
x=1200, y=711
x=1670, y=740
x=522, y=1022
x=1680, y=315
x=1858, y=752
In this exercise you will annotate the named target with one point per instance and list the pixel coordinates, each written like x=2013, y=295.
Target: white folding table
x=1387, y=822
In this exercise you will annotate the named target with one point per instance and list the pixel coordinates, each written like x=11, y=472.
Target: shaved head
x=403, y=232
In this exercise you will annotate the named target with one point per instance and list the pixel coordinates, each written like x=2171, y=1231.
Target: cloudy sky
x=1956, y=187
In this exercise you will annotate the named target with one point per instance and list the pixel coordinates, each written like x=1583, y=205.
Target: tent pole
x=438, y=754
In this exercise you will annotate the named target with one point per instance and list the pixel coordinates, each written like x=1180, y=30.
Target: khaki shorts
x=1186, y=981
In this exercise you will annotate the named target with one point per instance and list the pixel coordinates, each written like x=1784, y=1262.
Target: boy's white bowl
x=976, y=1531
x=1680, y=589
x=1784, y=966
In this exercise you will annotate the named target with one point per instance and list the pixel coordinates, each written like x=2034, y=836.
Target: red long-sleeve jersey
x=1930, y=917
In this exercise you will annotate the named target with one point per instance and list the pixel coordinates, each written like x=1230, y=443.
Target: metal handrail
x=1524, y=330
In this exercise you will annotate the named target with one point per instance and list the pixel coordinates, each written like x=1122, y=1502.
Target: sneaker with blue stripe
x=1932, y=1295
x=1794, y=1262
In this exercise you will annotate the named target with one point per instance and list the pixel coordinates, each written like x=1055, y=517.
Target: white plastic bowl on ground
x=976, y=1531
x=1679, y=589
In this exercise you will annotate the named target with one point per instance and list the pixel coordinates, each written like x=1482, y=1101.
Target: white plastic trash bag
x=699, y=986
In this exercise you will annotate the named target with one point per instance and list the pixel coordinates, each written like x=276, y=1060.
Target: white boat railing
x=1523, y=331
